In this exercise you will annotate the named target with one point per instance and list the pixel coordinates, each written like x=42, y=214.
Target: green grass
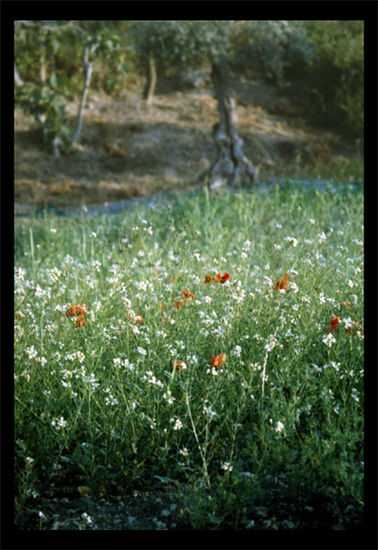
x=101, y=406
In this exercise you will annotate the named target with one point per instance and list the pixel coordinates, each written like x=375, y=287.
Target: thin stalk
x=198, y=443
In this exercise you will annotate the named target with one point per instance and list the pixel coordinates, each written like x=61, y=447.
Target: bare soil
x=129, y=149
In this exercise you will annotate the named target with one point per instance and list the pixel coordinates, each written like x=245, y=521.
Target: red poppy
x=80, y=321
x=223, y=278
x=283, y=284
x=218, y=360
x=75, y=310
x=209, y=279
x=333, y=324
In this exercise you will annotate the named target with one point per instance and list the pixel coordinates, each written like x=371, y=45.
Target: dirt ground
x=129, y=149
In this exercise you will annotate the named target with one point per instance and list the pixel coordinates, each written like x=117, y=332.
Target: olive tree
x=189, y=44
x=55, y=50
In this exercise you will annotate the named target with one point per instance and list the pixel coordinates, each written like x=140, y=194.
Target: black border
x=294, y=10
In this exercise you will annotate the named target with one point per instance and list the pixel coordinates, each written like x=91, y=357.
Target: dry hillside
x=129, y=149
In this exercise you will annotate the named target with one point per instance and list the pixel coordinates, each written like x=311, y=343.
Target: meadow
x=213, y=348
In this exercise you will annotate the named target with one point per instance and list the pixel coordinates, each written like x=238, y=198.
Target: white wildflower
x=291, y=240
x=329, y=340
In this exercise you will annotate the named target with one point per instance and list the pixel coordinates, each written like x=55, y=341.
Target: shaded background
x=298, y=87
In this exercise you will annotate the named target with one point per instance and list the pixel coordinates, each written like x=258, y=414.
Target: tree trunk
x=149, y=89
x=87, y=80
x=231, y=165
x=17, y=79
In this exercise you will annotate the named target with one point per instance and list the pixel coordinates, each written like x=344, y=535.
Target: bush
x=332, y=82
x=320, y=63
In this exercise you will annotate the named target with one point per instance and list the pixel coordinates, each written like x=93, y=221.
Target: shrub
x=332, y=81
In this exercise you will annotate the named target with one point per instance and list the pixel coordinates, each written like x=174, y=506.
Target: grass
x=131, y=401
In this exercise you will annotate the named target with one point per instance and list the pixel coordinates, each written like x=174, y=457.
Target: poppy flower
x=333, y=324
x=178, y=304
x=218, y=360
x=209, y=279
x=75, y=310
x=346, y=304
x=80, y=321
x=223, y=278
x=283, y=284
x=179, y=364
x=183, y=300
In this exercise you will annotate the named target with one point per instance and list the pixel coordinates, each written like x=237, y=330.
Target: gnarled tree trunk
x=231, y=164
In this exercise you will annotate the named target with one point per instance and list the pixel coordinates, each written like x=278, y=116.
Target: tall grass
x=233, y=392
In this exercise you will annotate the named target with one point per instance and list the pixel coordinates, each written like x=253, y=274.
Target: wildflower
x=209, y=279
x=178, y=424
x=353, y=326
x=59, y=423
x=178, y=304
x=179, y=364
x=329, y=340
x=86, y=517
x=38, y=291
x=346, y=304
x=223, y=278
x=142, y=351
x=333, y=324
x=279, y=427
x=32, y=352
x=292, y=241
x=168, y=397
x=283, y=285
x=213, y=371
x=80, y=321
x=209, y=412
x=218, y=360
x=81, y=309
x=136, y=317
x=227, y=467
x=185, y=298
x=236, y=351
